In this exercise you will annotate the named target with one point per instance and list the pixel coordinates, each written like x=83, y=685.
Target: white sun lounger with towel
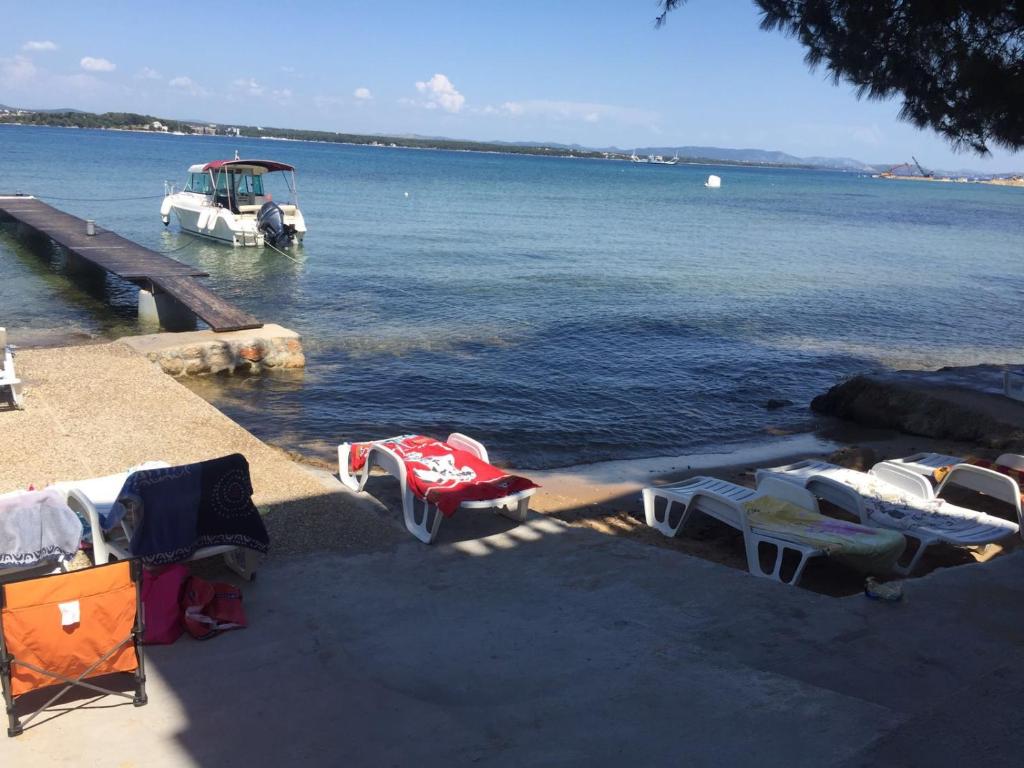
x=93, y=499
x=10, y=384
x=444, y=475
x=778, y=514
x=894, y=497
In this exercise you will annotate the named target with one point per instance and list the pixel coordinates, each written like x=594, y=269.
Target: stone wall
x=203, y=352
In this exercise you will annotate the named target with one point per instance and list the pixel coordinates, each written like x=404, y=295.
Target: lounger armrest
x=81, y=503
x=840, y=494
x=904, y=479
x=350, y=482
x=986, y=481
x=465, y=443
x=777, y=488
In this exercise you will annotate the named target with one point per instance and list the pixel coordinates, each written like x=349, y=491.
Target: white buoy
x=713, y=182
x=406, y=194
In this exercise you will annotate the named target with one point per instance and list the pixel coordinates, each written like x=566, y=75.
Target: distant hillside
x=690, y=154
x=757, y=157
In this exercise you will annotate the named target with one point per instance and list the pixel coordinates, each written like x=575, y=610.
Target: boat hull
x=197, y=216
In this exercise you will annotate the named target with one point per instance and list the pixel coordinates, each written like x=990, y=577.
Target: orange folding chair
x=67, y=628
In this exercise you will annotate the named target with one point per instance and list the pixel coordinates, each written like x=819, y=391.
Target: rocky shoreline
x=964, y=404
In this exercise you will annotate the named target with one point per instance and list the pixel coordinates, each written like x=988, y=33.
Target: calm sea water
x=561, y=310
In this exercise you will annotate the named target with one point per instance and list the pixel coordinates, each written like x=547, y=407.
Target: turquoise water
x=560, y=310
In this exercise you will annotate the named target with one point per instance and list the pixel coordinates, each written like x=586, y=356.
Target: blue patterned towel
x=179, y=510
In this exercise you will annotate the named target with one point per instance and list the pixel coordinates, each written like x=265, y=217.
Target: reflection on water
x=562, y=311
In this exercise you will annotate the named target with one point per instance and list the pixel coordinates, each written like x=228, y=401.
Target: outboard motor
x=270, y=222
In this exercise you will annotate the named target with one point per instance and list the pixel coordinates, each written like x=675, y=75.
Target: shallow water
x=560, y=310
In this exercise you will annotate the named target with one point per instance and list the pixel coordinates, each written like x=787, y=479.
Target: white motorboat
x=227, y=200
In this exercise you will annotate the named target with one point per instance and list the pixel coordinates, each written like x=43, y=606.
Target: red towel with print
x=443, y=475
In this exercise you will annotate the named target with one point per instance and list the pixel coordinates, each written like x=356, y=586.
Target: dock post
x=163, y=310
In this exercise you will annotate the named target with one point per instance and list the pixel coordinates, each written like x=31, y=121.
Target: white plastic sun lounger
x=426, y=525
x=97, y=495
x=10, y=384
x=894, y=497
x=724, y=501
x=979, y=479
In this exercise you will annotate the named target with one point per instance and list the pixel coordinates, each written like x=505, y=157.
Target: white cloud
x=17, y=70
x=39, y=45
x=188, y=85
x=441, y=93
x=282, y=96
x=363, y=94
x=147, y=73
x=91, y=64
x=249, y=86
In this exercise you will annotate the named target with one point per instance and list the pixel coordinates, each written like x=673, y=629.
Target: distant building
x=204, y=130
x=156, y=125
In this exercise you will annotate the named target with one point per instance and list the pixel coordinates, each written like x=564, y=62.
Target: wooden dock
x=152, y=271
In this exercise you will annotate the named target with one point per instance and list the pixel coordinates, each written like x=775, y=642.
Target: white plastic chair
x=851, y=490
x=424, y=524
x=724, y=501
x=91, y=497
x=10, y=384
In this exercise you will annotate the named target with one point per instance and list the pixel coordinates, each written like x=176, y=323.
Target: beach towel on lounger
x=892, y=507
x=36, y=526
x=443, y=475
x=871, y=550
x=178, y=510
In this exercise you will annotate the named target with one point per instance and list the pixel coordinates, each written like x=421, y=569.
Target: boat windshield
x=245, y=188
x=198, y=183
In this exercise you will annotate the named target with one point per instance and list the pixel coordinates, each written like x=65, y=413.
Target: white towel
x=36, y=526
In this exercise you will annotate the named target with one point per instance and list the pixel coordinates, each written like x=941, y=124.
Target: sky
x=596, y=73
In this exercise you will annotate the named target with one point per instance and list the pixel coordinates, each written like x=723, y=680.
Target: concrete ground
x=557, y=646
x=95, y=410
x=540, y=644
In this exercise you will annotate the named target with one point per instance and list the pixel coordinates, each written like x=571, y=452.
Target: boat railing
x=168, y=188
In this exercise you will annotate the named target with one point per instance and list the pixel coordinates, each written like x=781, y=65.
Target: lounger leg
x=754, y=561
x=518, y=514
x=906, y=570
x=663, y=523
x=17, y=396
x=243, y=562
x=423, y=529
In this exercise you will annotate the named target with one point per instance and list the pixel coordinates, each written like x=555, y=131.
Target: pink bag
x=161, y=596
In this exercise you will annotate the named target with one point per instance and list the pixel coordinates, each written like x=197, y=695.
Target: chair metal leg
x=138, y=635
x=14, y=727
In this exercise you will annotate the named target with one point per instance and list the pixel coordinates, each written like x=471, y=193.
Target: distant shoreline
x=1017, y=181
x=397, y=142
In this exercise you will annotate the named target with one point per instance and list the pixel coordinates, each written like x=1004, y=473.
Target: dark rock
x=929, y=404
x=773, y=404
